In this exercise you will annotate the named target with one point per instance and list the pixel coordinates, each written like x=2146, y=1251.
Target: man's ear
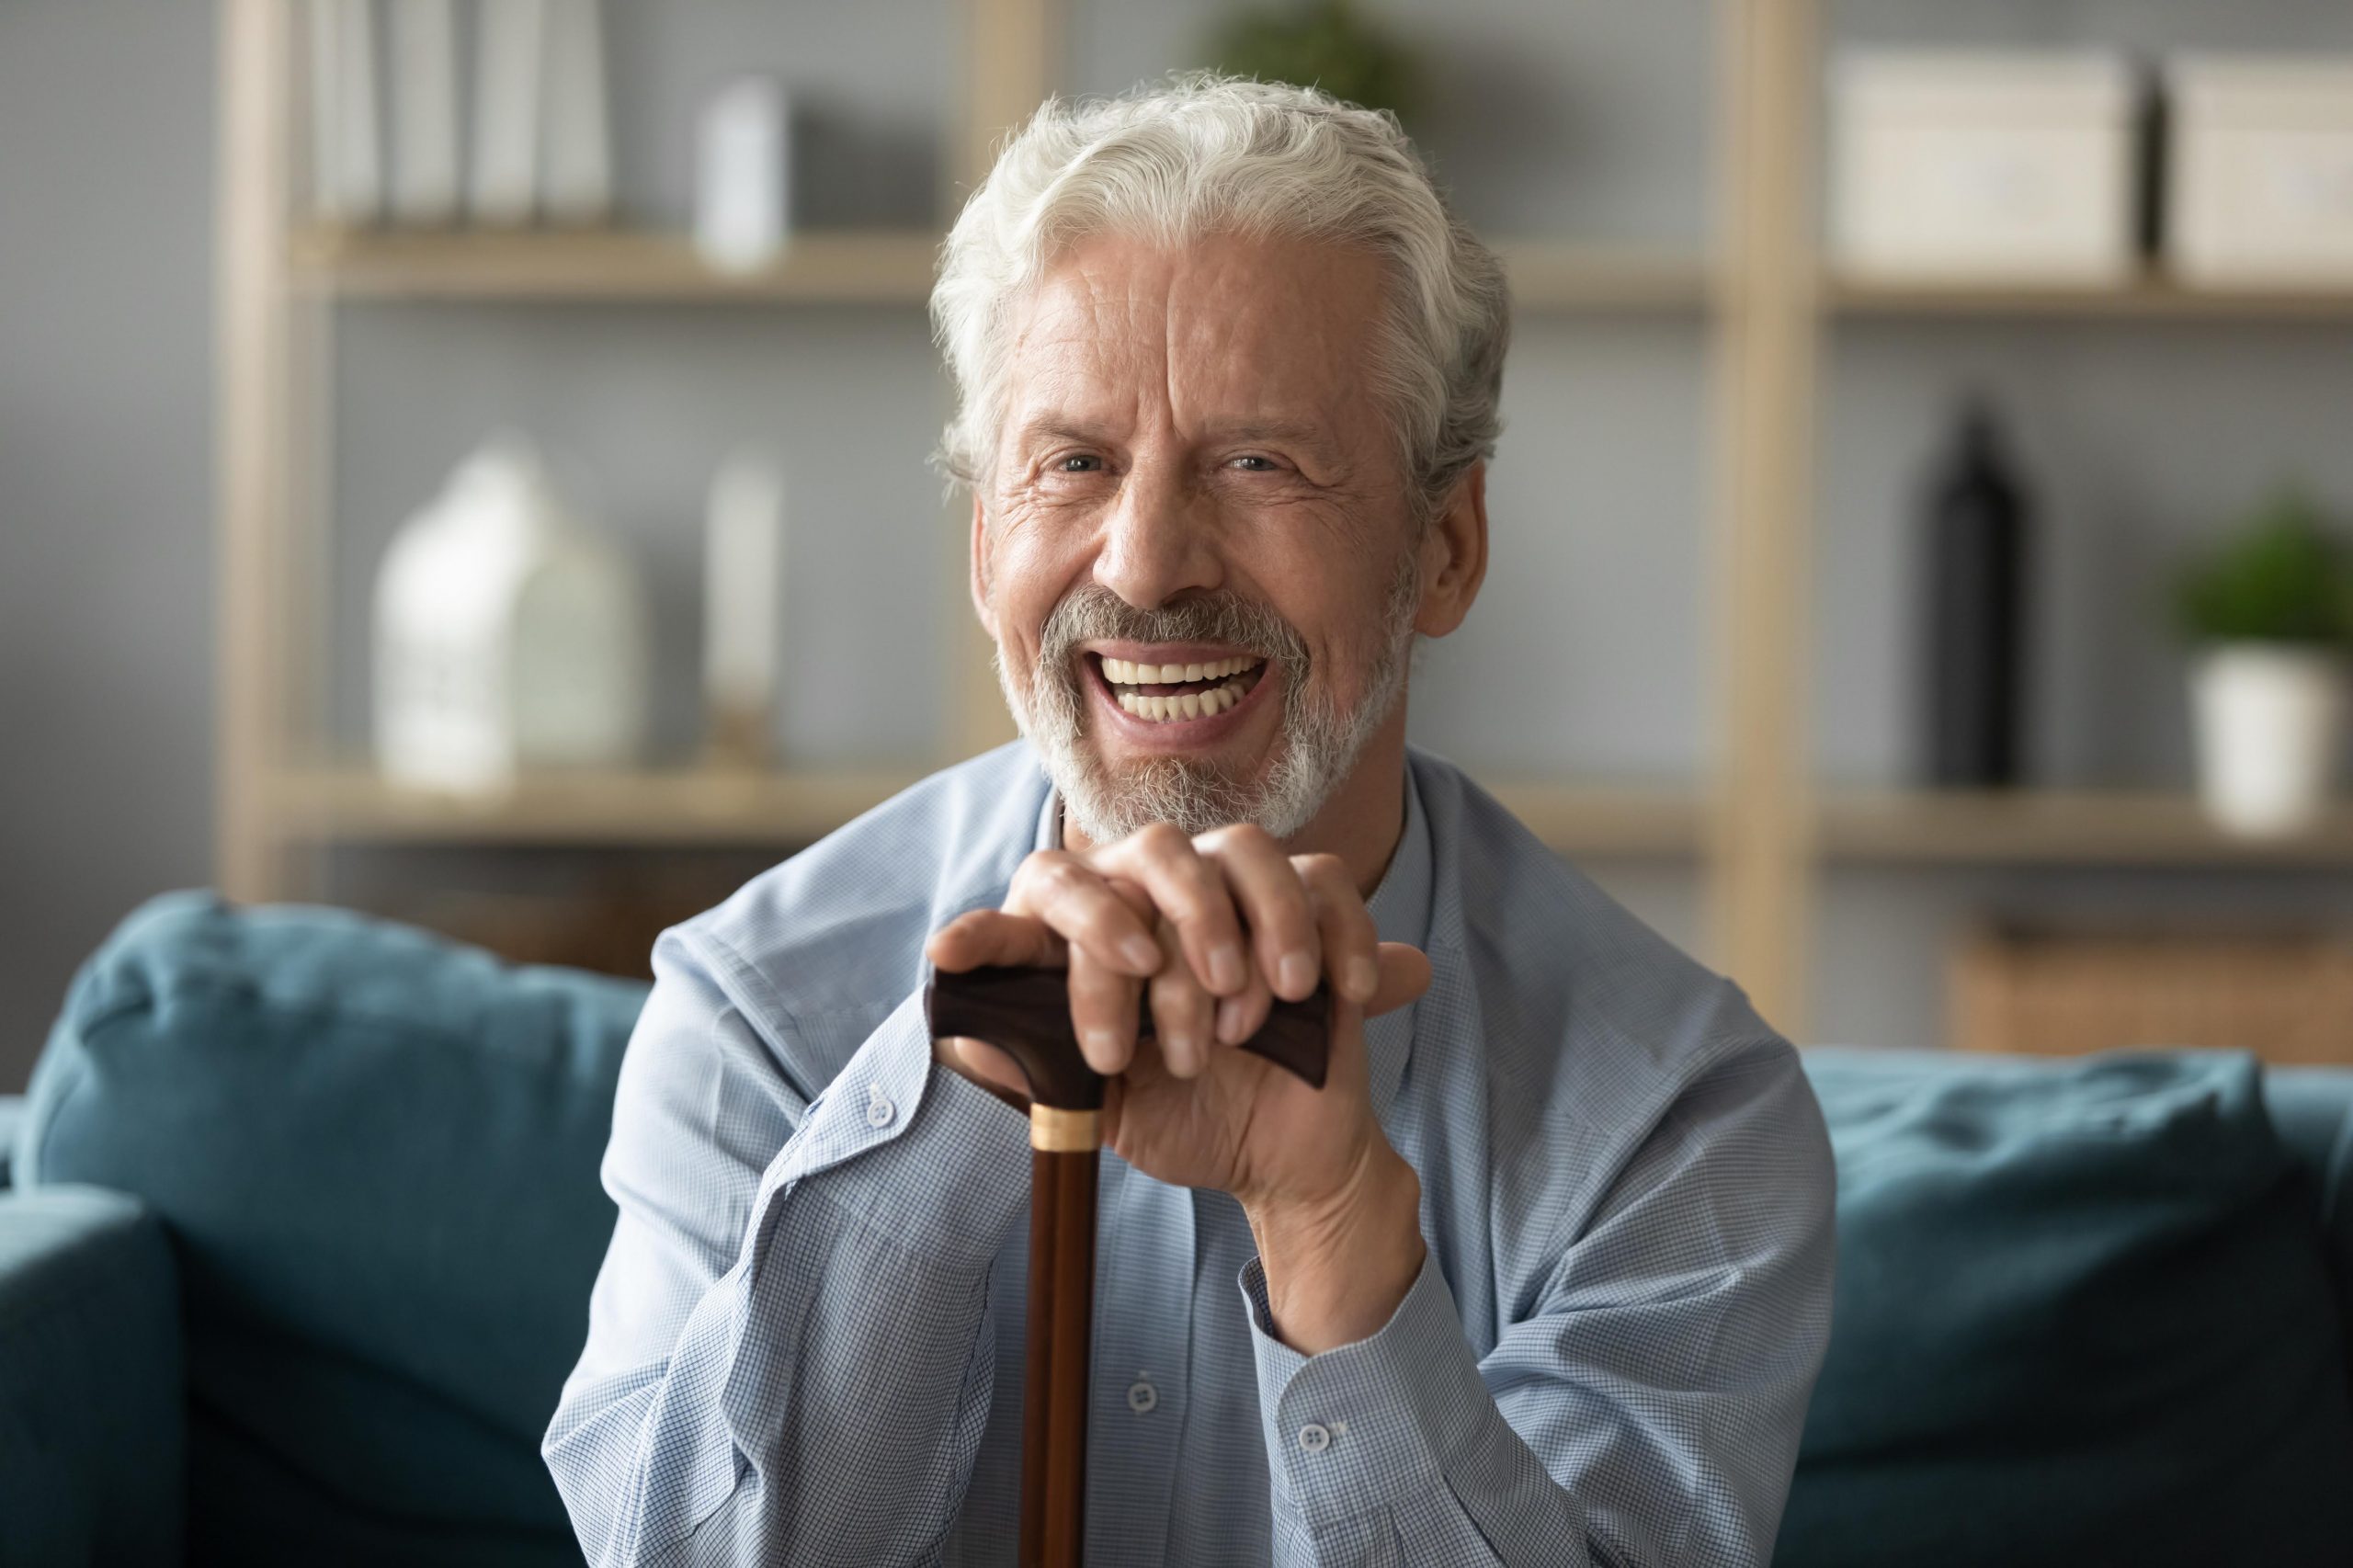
x=1454, y=555
x=979, y=568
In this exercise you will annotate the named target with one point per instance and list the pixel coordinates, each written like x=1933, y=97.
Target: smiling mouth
x=1167, y=694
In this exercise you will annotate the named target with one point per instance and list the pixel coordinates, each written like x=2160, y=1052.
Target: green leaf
x=2281, y=578
x=1324, y=45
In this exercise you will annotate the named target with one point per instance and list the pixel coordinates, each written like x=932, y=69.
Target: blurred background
x=468, y=461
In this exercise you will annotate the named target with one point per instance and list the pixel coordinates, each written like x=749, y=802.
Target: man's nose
x=1157, y=539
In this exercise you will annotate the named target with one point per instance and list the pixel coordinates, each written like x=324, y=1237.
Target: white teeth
x=1182, y=705
x=1127, y=672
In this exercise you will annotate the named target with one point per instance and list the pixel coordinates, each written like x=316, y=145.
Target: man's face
x=1197, y=554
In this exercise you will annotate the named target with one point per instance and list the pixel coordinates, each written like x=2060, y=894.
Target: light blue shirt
x=806, y=1344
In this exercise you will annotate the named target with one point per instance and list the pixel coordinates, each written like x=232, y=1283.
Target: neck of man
x=1360, y=822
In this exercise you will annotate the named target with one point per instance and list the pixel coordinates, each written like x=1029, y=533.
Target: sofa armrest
x=12, y=1123
x=92, y=1409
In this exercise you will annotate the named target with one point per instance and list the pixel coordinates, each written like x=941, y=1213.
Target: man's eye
x=1062, y=465
x=1264, y=465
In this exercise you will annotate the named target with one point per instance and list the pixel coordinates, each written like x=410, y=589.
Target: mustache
x=1094, y=613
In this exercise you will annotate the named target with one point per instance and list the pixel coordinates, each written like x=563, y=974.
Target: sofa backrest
x=2085, y=1311
x=2067, y=1291
x=375, y=1153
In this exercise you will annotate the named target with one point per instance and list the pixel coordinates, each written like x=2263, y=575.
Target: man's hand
x=1211, y=930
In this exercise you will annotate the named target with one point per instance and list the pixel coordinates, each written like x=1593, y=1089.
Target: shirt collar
x=1399, y=908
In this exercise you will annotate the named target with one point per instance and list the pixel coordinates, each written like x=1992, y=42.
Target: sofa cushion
x=2084, y=1313
x=376, y=1154
x=90, y=1422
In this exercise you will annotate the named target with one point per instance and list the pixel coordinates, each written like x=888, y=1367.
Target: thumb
x=1404, y=976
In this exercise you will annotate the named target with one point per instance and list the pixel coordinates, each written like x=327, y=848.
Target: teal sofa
x=305, y=1213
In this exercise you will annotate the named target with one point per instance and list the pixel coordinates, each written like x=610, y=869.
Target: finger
x=993, y=936
x=1265, y=883
x=1182, y=1009
x=1244, y=1014
x=1190, y=892
x=1104, y=1012
x=1073, y=897
x=1106, y=1004
x=1404, y=976
x=1349, y=935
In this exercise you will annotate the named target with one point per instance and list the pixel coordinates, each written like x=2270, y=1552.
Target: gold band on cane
x=1061, y=1132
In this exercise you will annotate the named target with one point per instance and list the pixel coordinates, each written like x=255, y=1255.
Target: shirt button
x=1314, y=1437
x=1142, y=1397
x=880, y=1111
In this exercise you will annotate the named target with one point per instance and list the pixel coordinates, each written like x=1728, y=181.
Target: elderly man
x=1540, y=1274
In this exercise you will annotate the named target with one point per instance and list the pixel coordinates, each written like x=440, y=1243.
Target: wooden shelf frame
x=2059, y=827
x=880, y=266
x=821, y=267
x=327, y=806
x=1760, y=829
x=2149, y=299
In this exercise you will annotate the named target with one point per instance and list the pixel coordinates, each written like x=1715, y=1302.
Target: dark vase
x=1974, y=557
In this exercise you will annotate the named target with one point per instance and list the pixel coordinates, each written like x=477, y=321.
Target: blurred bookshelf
x=1759, y=829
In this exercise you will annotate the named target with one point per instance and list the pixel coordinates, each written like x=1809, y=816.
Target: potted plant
x=2270, y=614
x=1321, y=43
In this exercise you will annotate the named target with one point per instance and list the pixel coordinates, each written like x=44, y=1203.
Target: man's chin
x=1114, y=796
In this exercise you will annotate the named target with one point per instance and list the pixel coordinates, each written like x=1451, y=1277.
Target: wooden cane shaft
x=1061, y=1323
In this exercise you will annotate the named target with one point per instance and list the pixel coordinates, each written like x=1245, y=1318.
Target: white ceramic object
x=742, y=205
x=576, y=135
x=346, y=156
x=2270, y=726
x=508, y=638
x=1982, y=167
x=423, y=41
x=510, y=61
x=2261, y=180
x=742, y=600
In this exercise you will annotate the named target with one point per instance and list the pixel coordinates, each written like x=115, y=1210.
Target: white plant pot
x=2270, y=725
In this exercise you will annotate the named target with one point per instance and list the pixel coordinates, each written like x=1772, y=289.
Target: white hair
x=1206, y=153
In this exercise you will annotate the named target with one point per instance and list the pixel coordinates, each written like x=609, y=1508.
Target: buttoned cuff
x=919, y=1151
x=1360, y=1425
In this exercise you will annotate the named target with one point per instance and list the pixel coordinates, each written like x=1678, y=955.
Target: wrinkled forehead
x=1224, y=329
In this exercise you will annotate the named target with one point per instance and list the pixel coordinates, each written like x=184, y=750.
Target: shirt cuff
x=915, y=1149
x=1362, y=1425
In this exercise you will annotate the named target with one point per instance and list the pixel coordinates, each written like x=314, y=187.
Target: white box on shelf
x=1985, y=167
x=2260, y=182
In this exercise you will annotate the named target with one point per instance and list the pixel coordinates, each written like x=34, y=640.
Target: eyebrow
x=1053, y=428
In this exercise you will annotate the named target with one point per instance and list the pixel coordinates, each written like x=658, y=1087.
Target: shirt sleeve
x=1647, y=1408
x=791, y=1351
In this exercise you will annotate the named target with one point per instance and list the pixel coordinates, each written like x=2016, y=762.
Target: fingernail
x=1364, y=979
x=1231, y=1017
x=1102, y=1045
x=1225, y=967
x=1143, y=952
x=1298, y=974
x=1181, y=1053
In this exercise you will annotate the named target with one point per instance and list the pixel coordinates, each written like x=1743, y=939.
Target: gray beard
x=1319, y=744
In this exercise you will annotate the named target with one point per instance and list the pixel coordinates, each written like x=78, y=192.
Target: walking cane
x=1026, y=1013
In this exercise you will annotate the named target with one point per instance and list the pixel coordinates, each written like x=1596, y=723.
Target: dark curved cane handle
x=1025, y=1012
